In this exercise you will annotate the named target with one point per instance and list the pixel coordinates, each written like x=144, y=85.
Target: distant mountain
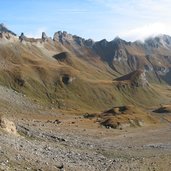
x=159, y=41
x=68, y=71
x=153, y=55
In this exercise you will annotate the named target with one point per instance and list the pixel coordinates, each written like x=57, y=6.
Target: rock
x=67, y=79
x=56, y=121
x=66, y=38
x=44, y=36
x=4, y=29
x=22, y=37
x=62, y=37
x=80, y=41
x=89, y=43
x=8, y=126
x=59, y=165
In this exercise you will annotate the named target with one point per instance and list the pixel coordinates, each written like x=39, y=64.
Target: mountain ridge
x=117, y=50
x=65, y=34
x=57, y=71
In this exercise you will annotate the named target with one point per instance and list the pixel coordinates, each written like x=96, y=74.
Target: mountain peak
x=159, y=40
x=64, y=37
x=4, y=29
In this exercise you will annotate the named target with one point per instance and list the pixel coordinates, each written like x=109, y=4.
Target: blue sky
x=96, y=19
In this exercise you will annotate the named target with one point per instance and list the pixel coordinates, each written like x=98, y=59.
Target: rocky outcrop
x=134, y=79
x=62, y=37
x=6, y=34
x=89, y=43
x=65, y=38
x=22, y=37
x=3, y=29
x=44, y=36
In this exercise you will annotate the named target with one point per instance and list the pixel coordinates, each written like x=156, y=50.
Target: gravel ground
x=38, y=147
x=55, y=142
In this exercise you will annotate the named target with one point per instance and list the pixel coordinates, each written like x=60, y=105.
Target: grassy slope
x=92, y=88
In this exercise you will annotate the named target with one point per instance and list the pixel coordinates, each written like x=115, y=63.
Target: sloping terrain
x=70, y=73
x=58, y=96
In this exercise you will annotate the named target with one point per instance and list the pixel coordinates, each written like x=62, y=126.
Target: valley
x=67, y=103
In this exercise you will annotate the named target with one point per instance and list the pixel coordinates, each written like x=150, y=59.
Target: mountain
x=3, y=29
x=153, y=55
x=72, y=73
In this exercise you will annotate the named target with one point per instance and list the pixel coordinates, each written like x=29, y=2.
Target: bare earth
x=79, y=144
x=49, y=141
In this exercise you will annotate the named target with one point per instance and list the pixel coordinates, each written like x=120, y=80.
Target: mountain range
x=72, y=73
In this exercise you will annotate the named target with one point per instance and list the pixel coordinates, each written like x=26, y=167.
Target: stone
x=59, y=165
x=8, y=126
x=44, y=36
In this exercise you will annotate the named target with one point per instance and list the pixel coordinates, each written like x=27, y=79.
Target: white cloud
x=140, y=33
x=139, y=18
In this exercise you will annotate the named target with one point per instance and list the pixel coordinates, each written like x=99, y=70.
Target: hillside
x=71, y=73
x=71, y=104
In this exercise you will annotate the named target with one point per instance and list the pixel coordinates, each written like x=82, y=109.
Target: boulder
x=8, y=126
